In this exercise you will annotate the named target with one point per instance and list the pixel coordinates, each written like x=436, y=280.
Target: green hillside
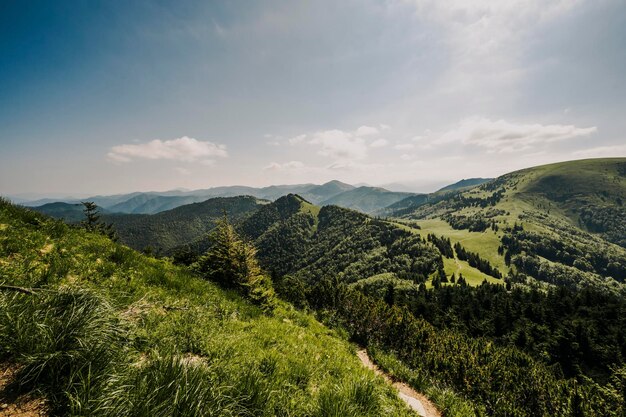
x=70, y=212
x=96, y=329
x=562, y=223
x=169, y=229
x=295, y=237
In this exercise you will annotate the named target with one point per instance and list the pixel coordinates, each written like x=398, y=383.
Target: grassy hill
x=98, y=329
x=561, y=223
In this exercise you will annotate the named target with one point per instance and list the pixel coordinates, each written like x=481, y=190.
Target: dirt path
x=416, y=401
x=20, y=406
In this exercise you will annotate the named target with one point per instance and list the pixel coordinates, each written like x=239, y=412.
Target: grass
x=485, y=243
x=112, y=332
x=472, y=276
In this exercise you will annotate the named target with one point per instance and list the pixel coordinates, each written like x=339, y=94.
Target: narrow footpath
x=416, y=401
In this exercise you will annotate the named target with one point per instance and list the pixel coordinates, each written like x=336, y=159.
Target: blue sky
x=117, y=96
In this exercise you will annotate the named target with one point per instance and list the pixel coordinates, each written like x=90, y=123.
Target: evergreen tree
x=92, y=216
x=231, y=262
x=92, y=221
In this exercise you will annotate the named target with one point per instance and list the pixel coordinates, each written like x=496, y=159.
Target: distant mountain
x=405, y=205
x=365, y=199
x=154, y=202
x=70, y=212
x=143, y=204
x=296, y=237
x=465, y=183
x=323, y=192
x=168, y=229
x=410, y=203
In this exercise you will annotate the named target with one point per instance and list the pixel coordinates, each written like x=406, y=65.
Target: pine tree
x=92, y=221
x=231, y=262
x=92, y=217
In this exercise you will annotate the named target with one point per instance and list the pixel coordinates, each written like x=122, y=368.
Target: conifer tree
x=231, y=262
x=92, y=221
x=92, y=217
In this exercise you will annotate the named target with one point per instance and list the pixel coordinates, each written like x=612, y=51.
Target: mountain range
x=364, y=198
x=496, y=290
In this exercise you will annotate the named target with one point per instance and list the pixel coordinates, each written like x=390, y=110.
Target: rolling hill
x=295, y=237
x=168, y=229
x=70, y=212
x=561, y=223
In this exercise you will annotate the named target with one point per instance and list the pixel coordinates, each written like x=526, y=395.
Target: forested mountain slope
x=93, y=328
x=70, y=212
x=562, y=223
x=296, y=237
x=168, y=229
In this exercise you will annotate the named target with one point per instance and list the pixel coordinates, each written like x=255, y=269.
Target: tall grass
x=64, y=341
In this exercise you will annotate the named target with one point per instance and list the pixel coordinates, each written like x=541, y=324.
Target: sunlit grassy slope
x=175, y=344
x=483, y=243
x=581, y=204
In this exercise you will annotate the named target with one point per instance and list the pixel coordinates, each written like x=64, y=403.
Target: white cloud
x=487, y=41
x=339, y=145
x=484, y=27
x=383, y=126
x=182, y=171
x=343, y=146
x=291, y=165
x=183, y=149
x=297, y=139
x=406, y=157
x=354, y=166
x=601, y=152
x=503, y=136
x=404, y=146
x=366, y=131
x=379, y=143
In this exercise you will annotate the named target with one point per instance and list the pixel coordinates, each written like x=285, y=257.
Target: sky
x=103, y=97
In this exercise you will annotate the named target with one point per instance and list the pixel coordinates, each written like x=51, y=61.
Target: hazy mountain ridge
x=333, y=192
x=465, y=183
x=366, y=199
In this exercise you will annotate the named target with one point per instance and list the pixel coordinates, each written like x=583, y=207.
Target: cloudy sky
x=117, y=96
